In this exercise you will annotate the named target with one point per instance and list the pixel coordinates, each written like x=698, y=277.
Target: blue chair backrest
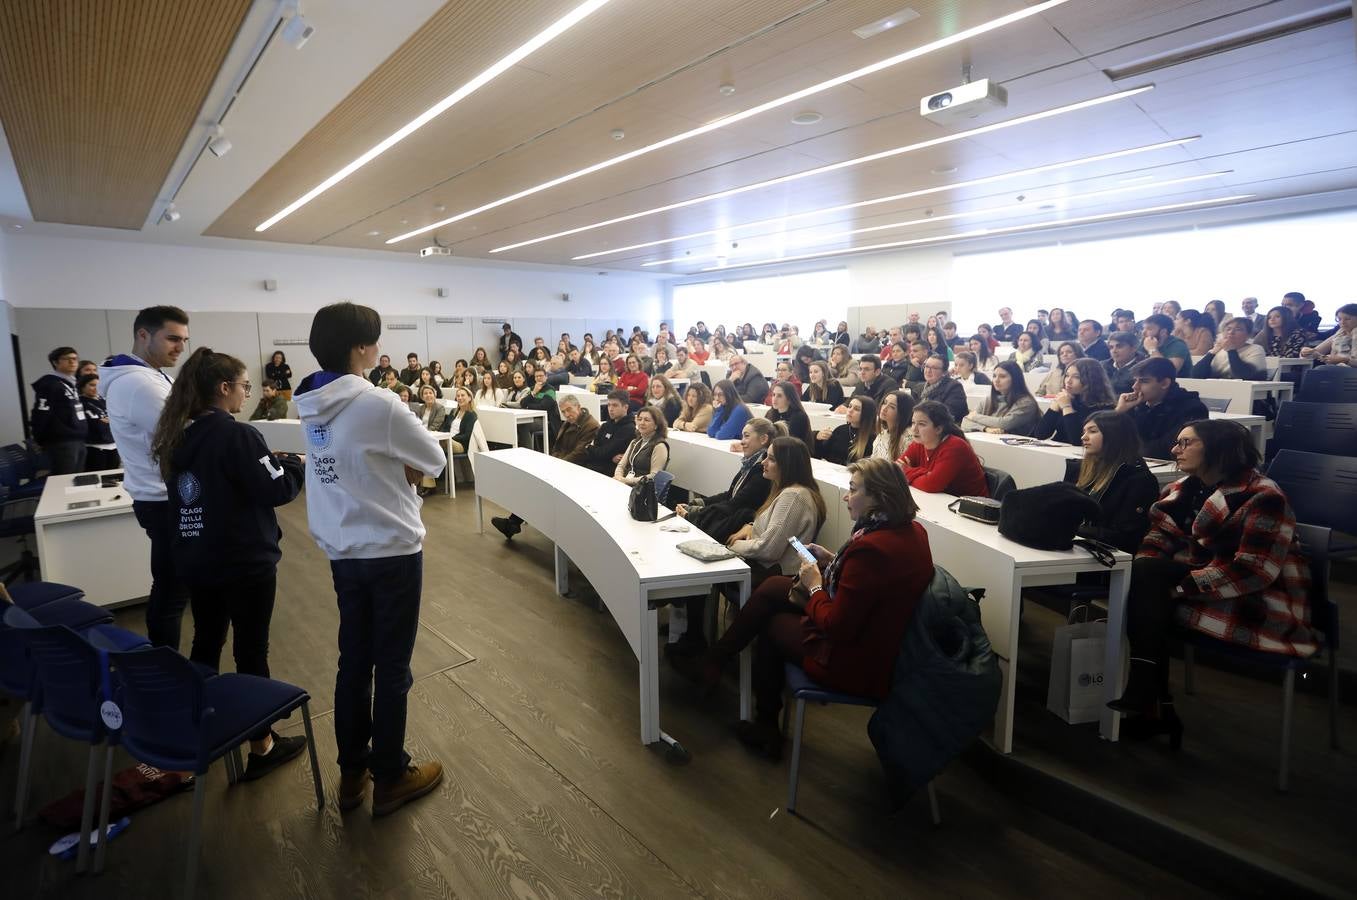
x=1322, y=488
x=1314, y=542
x=16, y=672
x=1329, y=384
x=161, y=696
x=1317, y=427
x=67, y=681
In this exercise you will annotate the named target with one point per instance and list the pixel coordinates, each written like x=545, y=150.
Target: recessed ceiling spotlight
x=943, y=170
x=807, y=118
x=405, y=221
x=617, y=134
x=726, y=90
x=438, y=207
x=17, y=227
x=373, y=233
x=894, y=20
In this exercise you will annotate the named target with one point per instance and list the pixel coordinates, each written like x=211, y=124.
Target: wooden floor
x=530, y=700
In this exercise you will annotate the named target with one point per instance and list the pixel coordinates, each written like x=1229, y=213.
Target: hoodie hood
x=122, y=365
x=200, y=432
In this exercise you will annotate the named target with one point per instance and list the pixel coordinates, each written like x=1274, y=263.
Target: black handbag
x=1047, y=516
x=643, y=505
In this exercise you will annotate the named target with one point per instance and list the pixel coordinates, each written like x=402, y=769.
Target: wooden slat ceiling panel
x=98, y=96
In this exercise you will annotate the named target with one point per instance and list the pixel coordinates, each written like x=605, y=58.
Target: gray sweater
x=792, y=513
x=1020, y=418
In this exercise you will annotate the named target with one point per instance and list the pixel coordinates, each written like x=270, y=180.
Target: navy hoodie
x=223, y=487
x=58, y=414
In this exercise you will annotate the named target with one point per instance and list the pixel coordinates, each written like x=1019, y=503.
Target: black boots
x=506, y=526
x=1148, y=704
x=1142, y=688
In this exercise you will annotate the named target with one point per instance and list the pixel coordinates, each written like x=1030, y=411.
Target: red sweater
x=699, y=356
x=953, y=468
x=852, y=640
x=635, y=384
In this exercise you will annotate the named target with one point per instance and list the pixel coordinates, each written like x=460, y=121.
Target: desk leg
x=562, y=571
x=1008, y=667
x=1109, y=722
x=449, y=473
x=650, y=673
x=746, y=664
x=480, y=514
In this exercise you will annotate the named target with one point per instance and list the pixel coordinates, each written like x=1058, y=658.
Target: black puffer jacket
x=1125, y=506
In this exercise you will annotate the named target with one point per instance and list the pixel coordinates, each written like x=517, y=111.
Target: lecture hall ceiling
x=1263, y=89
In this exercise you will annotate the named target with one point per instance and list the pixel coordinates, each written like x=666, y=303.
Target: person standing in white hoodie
x=367, y=452
x=136, y=388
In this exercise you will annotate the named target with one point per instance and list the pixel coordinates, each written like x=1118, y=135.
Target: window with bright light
x=798, y=299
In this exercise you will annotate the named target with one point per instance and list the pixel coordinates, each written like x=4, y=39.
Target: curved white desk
x=631, y=564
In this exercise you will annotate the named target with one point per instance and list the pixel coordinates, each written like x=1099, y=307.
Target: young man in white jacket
x=136, y=388
x=367, y=452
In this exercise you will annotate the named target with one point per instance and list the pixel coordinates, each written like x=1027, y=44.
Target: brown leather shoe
x=417, y=780
x=353, y=789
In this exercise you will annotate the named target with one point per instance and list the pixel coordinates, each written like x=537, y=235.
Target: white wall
x=110, y=274
x=84, y=291
x=1182, y=261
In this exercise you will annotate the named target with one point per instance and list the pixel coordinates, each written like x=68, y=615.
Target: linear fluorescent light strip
x=1008, y=207
x=983, y=232
x=536, y=42
x=848, y=163
x=795, y=96
x=937, y=189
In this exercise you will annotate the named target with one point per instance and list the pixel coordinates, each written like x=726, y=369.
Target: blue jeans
x=378, y=619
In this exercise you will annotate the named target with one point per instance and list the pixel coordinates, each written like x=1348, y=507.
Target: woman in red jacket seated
x=634, y=381
x=842, y=618
x=941, y=461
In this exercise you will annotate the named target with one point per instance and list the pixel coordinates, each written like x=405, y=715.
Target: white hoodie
x=136, y=394
x=359, y=440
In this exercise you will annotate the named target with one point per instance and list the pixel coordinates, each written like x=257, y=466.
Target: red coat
x=953, y=468
x=635, y=384
x=852, y=640
x=1252, y=582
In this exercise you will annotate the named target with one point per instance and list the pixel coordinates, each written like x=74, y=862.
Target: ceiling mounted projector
x=435, y=250
x=964, y=102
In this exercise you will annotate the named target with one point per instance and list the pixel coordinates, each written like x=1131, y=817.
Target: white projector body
x=963, y=102
x=426, y=252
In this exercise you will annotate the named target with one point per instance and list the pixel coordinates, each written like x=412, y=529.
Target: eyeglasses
x=244, y=384
x=1184, y=443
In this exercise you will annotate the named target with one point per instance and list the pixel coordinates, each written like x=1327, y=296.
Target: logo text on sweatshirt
x=190, y=521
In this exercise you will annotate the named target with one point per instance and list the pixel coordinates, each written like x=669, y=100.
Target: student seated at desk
x=965, y=371
x=1337, y=350
x=613, y=436
x=403, y=392
x=487, y=393
x=1054, y=382
x=1232, y=355
x=786, y=408
x=1086, y=391
x=518, y=390
x=1114, y=473
x=941, y=461
x=648, y=452
x=571, y=445
x=1010, y=407
x=821, y=386
x=852, y=440
x=634, y=381
x=1027, y=353
x=272, y=404
x=721, y=515
x=794, y=507
x=697, y=409
x=842, y=368
x=461, y=420
x=1221, y=557
x=896, y=424
x=841, y=618
x=729, y=411
x=1159, y=406
x=662, y=396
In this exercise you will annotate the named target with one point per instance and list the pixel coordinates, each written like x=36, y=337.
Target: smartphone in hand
x=801, y=550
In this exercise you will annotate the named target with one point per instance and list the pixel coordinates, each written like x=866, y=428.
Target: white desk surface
x=59, y=491
x=631, y=564
x=1031, y=466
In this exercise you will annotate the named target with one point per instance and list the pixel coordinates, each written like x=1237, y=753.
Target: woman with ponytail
x=223, y=484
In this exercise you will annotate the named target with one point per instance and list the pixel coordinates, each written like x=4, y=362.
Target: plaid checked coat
x=1252, y=579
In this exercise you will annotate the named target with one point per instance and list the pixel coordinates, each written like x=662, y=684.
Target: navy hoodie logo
x=189, y=489
x=319, y=435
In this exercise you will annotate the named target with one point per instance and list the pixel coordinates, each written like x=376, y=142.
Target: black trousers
x=1150, y=611
x=165, y=606
x=245, y=605
x=66, y=457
